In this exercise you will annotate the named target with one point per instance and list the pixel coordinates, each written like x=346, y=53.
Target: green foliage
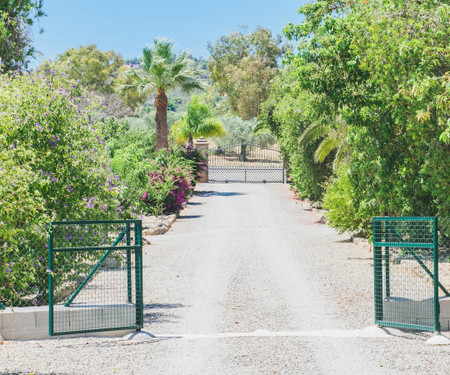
x=100, y=73
x=147, y=121
x=198, y=121
x=287, y=114
x=242, y=66
x=161, y=71
x=16, y=17
x=132, y=98
x=242, y=131
x=376, y=79
x=96, y=70
x=343, y=212
x=132, y=152
x=171, y=179
x=112, y=128
x=165, y=178
x=54, y=166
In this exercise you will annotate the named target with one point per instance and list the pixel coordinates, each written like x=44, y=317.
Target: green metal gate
x=406, y=267
x=95, y=276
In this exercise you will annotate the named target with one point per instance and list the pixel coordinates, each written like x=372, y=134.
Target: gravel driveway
x=247, y=281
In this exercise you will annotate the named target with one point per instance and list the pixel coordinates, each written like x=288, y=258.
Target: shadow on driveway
x=181, y=217
x=160, y=312
x=212, y=193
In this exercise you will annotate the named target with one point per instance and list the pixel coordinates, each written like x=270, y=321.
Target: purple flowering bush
x=170, y=183
x=54, y=165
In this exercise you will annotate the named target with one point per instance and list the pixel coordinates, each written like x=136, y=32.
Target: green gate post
x=378, y=270
x=130, y=296
x=50, y=282
x=386, y=271
x=138, y=273
x=437, y=325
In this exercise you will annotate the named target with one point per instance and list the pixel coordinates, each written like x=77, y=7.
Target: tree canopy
x=96, y=70
x=16, y=17
x=242, y=66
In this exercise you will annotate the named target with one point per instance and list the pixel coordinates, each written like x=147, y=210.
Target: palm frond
x=211, y=127
x=329, y=144
x=313, y=132
x=126, y=88
x=132, y=73
x=340, y=154
x=177, y=68
x=164, y=49
x=188, y=84
x=260, y=126
x=136, y=79
x=159, y=70
x=162, y=70
x=147, y=59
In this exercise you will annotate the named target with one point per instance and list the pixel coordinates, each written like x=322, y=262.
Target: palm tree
x=160, y=71
x=198, y=121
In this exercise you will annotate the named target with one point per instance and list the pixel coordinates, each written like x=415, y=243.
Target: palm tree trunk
x=191, y=142
x=162, y=139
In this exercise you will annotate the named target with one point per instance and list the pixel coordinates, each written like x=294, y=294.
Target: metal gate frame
x=136, y=248
x=241, y=170
x=386, y=237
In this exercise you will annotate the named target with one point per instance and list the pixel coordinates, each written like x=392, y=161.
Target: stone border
x=157, y=225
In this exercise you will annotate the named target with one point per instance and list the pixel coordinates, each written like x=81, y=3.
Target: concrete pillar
x=203, y=145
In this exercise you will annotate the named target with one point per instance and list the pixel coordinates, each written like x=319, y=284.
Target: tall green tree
x=198, y=121
x=16, y=17
x=100, y=73
x=160, y=71
x=96, y=70
x=242, y=66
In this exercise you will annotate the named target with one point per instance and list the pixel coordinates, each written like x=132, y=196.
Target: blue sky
x=127, y=26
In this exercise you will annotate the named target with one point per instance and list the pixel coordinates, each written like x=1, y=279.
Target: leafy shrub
x=54, y=166
x=112, y=128
x=342, y=211
x=197, y=161
x=170, y=182
x=132, y=151
x=144, y=141
x=132, y=166
x=287, y=113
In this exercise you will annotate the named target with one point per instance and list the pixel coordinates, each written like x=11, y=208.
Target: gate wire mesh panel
x=406, y=273
x=23, y=267
x=245, y=163
x=96, y=276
